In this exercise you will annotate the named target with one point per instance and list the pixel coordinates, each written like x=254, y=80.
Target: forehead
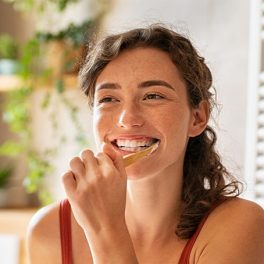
x=146, y=63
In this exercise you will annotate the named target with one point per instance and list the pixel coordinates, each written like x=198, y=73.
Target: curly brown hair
x=206, y=180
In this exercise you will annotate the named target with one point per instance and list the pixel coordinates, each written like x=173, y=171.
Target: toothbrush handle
x=131, y=158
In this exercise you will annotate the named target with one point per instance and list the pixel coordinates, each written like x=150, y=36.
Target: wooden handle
x=131, y=158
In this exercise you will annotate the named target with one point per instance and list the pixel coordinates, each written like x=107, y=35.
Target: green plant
x=74, y=34
x=69, y=45
x=39, y=5
x=17, y=114
x=5, y=174
x=33, y=73
x=8, y=47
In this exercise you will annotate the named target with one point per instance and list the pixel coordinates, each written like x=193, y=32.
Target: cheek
x=175, y=125
x=102, y=123
x=172, y=118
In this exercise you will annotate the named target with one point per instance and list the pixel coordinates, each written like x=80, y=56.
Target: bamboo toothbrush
x=131, y=158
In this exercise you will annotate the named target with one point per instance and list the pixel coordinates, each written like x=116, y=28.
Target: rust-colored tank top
x=66, y=243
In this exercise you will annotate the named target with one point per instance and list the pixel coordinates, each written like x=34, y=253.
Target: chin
x=135, y=172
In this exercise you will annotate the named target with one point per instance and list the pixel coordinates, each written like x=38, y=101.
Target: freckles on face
x=141, y=93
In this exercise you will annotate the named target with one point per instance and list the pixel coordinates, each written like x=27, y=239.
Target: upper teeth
x=134, y=143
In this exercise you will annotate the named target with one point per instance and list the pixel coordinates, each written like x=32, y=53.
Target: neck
x=153, y=207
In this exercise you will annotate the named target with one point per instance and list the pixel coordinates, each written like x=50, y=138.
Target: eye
x=107, y=99
x=153, y=96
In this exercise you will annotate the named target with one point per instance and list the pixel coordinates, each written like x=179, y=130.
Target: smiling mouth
x=130, y=145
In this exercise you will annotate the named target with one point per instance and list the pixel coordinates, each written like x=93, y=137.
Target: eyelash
x=109, y=99
x=106, y=100
x=155, y=95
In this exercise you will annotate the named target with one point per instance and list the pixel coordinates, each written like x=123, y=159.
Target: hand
x=96, y=189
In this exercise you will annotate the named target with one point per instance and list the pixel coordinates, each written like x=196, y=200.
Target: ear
x=199, y=120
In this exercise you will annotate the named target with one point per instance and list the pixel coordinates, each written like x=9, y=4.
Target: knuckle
x=102, y=158
x=76, y=166
x=100, y=155
x=98, y=177
x=111, y=177
x=66, y=176
x=74, y=161
x=86, y=153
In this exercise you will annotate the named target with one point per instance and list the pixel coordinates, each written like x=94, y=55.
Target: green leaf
x=5, y=173
x=46, y=100
x=10, y=148
x=45, y=197
x=8, y=47
x=60, y=86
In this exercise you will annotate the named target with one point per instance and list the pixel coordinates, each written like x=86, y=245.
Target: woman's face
x=140, y=98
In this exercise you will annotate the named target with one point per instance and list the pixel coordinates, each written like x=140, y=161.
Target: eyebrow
x=144, y=84
x=150, y=83
x=108, y=86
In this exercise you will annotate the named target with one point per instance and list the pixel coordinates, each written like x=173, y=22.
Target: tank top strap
x=185, y=255
x=65, y=232
x=184, y=259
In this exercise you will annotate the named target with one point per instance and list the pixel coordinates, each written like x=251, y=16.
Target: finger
x=77, y=167
x=106, y=164
x=116, y=158
x=109, y=151
x=103, y=159
x=69, y=183
x=90, y=162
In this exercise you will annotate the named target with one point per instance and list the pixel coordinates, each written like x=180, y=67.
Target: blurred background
x=45, y=119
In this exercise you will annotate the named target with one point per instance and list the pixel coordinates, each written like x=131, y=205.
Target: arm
x=235, y=235
x=43, y=237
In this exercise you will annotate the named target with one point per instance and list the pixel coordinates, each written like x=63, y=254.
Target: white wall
x=220, y=31
x=228, y=50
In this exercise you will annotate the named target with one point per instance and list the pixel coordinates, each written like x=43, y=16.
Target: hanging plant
x=39, y=5
x=17, y=114
x=5, y=174
x=8, y=54
x=36, y=69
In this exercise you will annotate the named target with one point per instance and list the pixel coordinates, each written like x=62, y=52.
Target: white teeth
x=136, y=149
x=125, y=143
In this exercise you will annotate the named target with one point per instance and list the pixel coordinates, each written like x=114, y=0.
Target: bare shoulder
x=239, y=214
x=233, y=233
x=244, y=209
x=43, y=235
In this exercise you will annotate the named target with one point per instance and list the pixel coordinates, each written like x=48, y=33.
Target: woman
x=178, y=204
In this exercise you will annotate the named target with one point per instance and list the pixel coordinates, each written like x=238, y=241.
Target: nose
x=130, y=116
